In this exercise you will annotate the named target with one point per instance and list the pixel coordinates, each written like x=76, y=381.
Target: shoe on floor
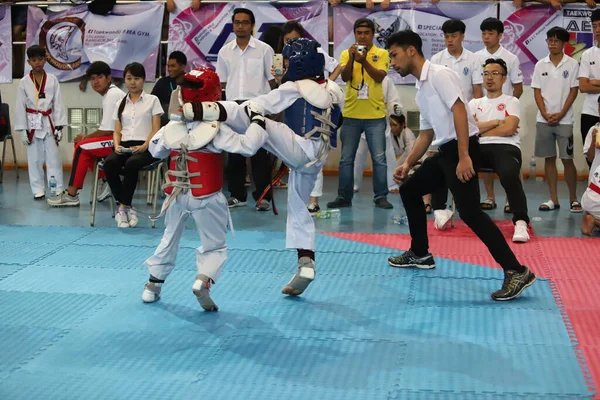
x=233, y=202
x=64, y=199
x=521, y=234
x=263, y=206
x=103, y=191
x=132, y=217
x=408, y=259
x=339, y=203
x=151, y=292
x=122, y=218
x=303, y=277
x=201, y=290
x=313, y=208
x=39, y=196
x=514, y=283
x=442, y=219
x=383, y=202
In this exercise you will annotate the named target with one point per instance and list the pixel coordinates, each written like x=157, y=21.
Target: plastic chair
x=154, y=171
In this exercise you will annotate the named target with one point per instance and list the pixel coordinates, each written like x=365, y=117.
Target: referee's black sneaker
x=408, y=259
x=514, y=284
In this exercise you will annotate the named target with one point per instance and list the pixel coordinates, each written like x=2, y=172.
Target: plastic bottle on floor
x=400, y=219
x=328, y=214
x=532, y=168
x=52, y=185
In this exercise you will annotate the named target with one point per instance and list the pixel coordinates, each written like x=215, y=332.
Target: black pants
x=431, y=175
x=129, y=166
x=506, y=160
x=439, y=197
x=261, y=173
x=586, y=123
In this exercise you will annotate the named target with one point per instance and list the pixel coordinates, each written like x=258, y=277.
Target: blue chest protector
x=303, y=118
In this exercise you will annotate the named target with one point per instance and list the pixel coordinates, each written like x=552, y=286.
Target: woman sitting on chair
x=137, y=119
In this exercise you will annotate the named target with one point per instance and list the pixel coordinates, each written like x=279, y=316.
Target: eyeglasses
x=492, y=73
x=244, y=23
x=553, y=41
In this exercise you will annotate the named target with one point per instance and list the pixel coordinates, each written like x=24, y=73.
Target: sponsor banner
x=75, y=38
x=5, y=45
x=200, y=34
x=423, y=18
x=525, y=31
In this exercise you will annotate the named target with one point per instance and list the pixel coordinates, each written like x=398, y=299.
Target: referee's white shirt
x=438, y=88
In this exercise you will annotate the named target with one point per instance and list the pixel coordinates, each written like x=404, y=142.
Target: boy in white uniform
x=590, y=202
x=195, y=188
x=40, y=117
x=312, y=115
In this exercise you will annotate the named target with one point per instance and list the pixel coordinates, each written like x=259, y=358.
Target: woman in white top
x=137, y=119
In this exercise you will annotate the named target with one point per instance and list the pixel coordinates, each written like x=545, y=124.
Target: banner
x=5, y=45
x=200, y=34
x=425, y=19
x=75, y=38
x=525, y=32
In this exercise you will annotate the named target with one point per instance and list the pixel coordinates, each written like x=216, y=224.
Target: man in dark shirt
x=165, y=85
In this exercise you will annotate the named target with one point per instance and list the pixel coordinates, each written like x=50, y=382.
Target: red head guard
x=201, y=84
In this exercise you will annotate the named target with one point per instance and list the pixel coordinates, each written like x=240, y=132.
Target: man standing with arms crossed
x=244, y=68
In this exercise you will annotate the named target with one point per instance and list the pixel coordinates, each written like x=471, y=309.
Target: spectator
x=163, y=88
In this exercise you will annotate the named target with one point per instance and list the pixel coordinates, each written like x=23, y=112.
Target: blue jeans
x=374, y=130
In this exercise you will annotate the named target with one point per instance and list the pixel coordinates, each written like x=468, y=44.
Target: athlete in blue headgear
x=312, y=110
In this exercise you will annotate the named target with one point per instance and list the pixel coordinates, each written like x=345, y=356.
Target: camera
x=361, y=49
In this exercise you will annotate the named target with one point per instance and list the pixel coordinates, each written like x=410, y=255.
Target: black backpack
x=4, y=121
x=101, y=7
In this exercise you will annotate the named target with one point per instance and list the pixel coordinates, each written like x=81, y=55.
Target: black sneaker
x=409, y=259
x=514, y=284
x=339, y=203
x=382, y=202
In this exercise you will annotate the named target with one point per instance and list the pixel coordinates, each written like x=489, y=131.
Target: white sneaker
x=443, y=219
x=122, y=218
x=201, y=290
x=133, y=218
x=521, y=234
x=151, y=292
x=104, y=191
x=64, y=199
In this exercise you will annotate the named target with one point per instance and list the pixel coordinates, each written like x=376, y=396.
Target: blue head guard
x=304, y=60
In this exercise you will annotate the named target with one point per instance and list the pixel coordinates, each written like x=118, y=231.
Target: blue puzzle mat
x=74, y=325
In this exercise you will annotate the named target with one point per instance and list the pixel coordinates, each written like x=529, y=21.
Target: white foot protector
x=151, y=292
x=302, y=278
x=443, y=219
x=201, y=289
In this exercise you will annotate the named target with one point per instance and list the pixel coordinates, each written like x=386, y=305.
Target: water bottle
x=400, y=219
x=532, y=168
x=329, y=214
x=53, y=186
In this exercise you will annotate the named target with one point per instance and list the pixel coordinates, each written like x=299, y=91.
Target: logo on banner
x=385, y=27
x=63, y=40
x=501, y=107
x=466, y=71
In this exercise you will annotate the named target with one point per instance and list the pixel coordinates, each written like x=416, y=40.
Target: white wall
x=75, y=98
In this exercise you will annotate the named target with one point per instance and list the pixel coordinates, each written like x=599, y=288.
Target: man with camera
x=365, y=66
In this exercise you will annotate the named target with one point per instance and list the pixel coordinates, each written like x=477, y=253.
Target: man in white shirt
x=446, y=117
x=244, y=68
x=555, y=86
x=589, y=79
x=498, y=117
x=98, y=144
x=492, y=30
x=468, y=67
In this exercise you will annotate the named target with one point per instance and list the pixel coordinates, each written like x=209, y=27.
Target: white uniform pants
x=295, y=152
x=318, y=189
x=39, y=151
x=360, y=162
x=211, y=216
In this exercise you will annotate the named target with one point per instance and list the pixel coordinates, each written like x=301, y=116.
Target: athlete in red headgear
x=194, y=183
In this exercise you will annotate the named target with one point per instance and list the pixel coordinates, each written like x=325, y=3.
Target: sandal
x=488, y=204
x=428, y=209
x=576, y=207
x=548, y=206
x=507, y=209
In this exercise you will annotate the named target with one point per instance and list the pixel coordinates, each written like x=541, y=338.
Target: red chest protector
x=198, y=171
